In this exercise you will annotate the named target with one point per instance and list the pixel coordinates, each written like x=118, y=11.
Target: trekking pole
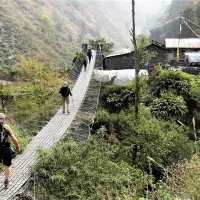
x=72, y=102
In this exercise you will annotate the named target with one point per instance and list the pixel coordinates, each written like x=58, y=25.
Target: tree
x=106, y=47
x=4, y=95
x=141, y=55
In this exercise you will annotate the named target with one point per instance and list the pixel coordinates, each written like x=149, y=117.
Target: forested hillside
x=190, y=10
x=53, y=30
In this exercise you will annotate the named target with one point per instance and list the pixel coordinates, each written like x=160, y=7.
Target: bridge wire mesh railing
x=87, y=113
x=35, y=122
x=79, y=129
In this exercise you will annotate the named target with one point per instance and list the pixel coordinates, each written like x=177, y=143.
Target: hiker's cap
x=65, y=84
x=2, y=116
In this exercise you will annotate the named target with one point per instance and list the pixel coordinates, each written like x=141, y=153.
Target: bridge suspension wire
x=191, y=29
x=192, y=22
x=198, y=3
x=165, y=23
x=180, y=31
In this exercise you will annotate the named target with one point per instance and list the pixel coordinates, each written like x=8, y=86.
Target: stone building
x=126, y=60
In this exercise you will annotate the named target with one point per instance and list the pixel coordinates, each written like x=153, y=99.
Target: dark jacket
x=89, y=53
x=65, y=91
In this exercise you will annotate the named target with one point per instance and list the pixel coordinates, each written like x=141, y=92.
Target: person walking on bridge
x=65, y=92
x=6, y=152
x=85, y=62
x=89, y=54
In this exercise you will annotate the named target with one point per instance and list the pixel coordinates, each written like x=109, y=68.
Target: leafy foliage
x=106, y=46
x=143, y=54
x=195, y=88
x=119, y=97
x=39, y=84
x=169, y=107
x=116, y=98
x=86, y=170
x=5, y=94
x=78, y=57
x=183, y=183
x=162, y=141
x=177, y=82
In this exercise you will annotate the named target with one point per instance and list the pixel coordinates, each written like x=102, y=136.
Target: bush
x=164, y=142
x=86, y=170
x=169, y=107
x=176, y=82
x=195, y=94
x=184, y=182
x=116, y=98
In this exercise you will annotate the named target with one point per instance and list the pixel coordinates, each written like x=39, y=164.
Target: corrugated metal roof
x=193, y=57
x=186, y=43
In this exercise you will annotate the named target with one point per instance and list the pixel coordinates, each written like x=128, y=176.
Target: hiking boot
x=63, y=111
x=68, y=112
x=6, y=183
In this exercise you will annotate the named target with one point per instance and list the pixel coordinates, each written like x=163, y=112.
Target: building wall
x=160, y=56
x=123, y=61
x=181, y=53
x=126, y=61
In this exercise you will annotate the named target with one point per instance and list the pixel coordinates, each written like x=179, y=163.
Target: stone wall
x=126, y=61
x=122, y=61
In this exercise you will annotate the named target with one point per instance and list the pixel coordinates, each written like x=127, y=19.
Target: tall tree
x=141, y=55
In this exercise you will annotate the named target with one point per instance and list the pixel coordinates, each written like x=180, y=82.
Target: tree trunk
x=136, y=64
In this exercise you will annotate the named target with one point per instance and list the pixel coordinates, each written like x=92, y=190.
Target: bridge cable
x=191, y=29
x=165, y=23
x=192, y=22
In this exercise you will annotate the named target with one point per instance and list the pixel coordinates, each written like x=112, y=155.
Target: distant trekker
x=89, y=54
x=65, y=92
x=85, y=62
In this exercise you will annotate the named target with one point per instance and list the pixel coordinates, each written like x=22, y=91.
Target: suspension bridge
x=55, y=129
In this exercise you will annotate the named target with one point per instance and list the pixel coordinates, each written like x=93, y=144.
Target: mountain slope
x=190, y=10
x=53, y=30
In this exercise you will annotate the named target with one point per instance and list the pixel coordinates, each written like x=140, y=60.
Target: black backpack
x=4, y=140
x=3, y=135
x=64, y=91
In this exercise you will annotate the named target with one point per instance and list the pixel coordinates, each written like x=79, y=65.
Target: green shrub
x=118, y=97
x=195, y=94
x=177, y=82
x=184, y=181
x=78, y=57
x=86, y=170
x=169, y=107
x=164, y=142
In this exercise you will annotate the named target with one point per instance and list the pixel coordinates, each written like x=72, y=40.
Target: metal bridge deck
x=49, y=135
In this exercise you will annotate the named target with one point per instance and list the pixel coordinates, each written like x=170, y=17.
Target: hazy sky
x=145, y=11
x=152, y=6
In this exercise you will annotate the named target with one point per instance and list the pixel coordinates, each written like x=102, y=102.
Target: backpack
x=64, y=91
x=4, y=139
x=3, y=134
x=89, y=53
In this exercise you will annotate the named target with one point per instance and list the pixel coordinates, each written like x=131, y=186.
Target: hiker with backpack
x=65, y=92
x=6, y=151
x=85, y=62
x=89, y=54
